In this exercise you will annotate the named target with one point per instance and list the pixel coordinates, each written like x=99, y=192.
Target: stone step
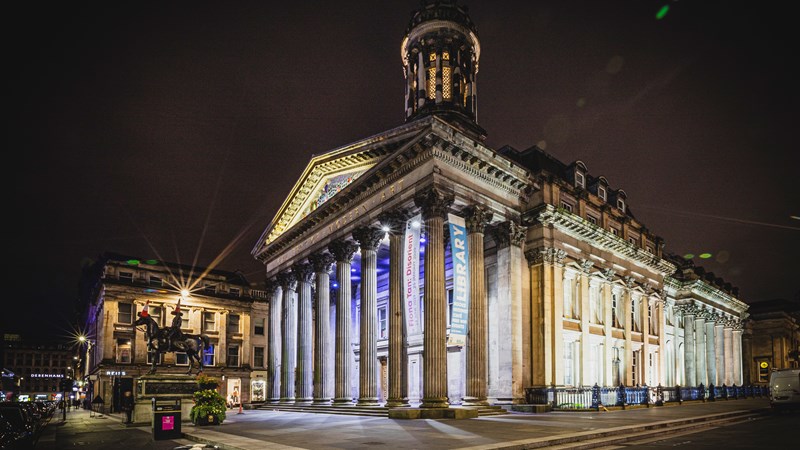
x=374, y=411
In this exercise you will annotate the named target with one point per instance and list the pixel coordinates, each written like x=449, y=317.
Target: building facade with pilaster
x=217, y=303
x=420, y=267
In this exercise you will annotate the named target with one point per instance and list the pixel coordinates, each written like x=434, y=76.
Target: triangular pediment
x=330, y=173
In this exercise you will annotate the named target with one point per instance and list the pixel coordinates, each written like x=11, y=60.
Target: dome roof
x=447, y=10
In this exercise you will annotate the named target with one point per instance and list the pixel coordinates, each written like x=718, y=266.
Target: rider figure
x=174, y=334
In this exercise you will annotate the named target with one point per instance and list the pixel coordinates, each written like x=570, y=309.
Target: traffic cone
x=240, y=408
x=144, y=312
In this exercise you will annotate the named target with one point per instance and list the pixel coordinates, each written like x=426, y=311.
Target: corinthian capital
x=368, y=237
x=343, y=250
x=395, y=220
x=434, y=202
x=304, y=272
x=321, y=262
x=476, y=218
x=509, y=233
x=288, y=281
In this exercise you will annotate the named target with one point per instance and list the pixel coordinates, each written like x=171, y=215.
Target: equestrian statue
x=171, y=339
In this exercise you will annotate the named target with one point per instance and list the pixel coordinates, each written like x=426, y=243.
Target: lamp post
x=87, y=365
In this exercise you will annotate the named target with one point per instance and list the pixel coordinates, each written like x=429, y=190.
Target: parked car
x=14, y=433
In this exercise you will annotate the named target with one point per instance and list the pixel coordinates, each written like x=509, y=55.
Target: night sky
x=174, y=130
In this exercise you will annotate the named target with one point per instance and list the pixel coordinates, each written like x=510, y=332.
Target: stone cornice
x=578, y=228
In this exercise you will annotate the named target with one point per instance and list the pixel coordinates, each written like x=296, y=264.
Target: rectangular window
x=580, y=180
x=568, y=364
x=259, y=326
x=621, y=204
x=632, y=240
x=126, y=276
x=449, y=307
x=601, y=192
x=181, y=359
x=614, y=231
x=233, y=323
x=447, y=83
x=156, y=312
x=233, y=356
x=209, y=356
x=210, y=289
x=124, y=351
x=258, y=356
x=150, y=357
x=592, y=220
x=209, y=321
x=125, y=313
x=185, y=320
x=156, y=281
x=650, y=250
x=235, y=291
x=383, y=320
x=614, y=311
x=566, y=206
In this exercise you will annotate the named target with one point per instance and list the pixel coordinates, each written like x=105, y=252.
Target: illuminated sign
x=764, y=364
x=46, y=375
x=115, y=373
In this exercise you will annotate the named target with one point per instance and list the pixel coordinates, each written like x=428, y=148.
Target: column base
x=475, y=401
x=343, y=402
x=303, y=401
x=367, y=402
x=434, y=403
x=398, y=404
x=287, y=401
x=322, y=401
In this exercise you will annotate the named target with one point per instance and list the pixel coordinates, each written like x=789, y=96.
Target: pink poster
x=167, y=423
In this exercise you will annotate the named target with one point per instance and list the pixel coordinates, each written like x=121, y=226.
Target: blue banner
x=460, y=256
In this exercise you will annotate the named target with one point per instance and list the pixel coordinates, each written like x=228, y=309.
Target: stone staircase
x=352, y=410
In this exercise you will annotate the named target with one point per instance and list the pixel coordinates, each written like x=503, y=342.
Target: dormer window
x=601, y=192
x=580, y=180
x=621, y=204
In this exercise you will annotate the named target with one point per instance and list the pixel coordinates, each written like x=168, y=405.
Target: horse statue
x=171, y=339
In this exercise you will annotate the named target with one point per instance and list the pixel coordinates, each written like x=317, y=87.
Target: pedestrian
x=235, y=396
x=127, y=405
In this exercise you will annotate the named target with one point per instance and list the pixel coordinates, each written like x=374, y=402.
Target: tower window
x=447, y=83
x=446, y=56
x=431, y=83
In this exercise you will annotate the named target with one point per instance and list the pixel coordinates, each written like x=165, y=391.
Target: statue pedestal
x=163, y=386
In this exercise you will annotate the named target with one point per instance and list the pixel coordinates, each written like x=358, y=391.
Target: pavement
x=268, y=429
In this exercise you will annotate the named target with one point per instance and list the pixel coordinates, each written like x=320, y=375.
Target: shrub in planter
x=209, y=405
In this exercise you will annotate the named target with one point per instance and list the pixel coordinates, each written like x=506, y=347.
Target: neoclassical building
x=220, y=304
x=419, y=266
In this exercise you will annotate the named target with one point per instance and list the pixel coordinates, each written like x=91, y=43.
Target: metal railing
x=590, y=398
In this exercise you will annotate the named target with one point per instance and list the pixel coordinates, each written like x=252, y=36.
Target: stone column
x=288, y=282
x=476, y=218
x=369, y=238
x=274, y=350
x=627, y=318
x=737, y=353
x=585, y=318
x=728, y=343
x=343, y=252
x=323, y=382
x=395, y=222
x=689, y=346
x=719, y=356
x=510, y=238
x=434, y=204
x=305, y=346
x=711, y=363
x=608, y=337
x=700, y=348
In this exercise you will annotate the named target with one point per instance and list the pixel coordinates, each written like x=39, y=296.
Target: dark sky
x=174, y=130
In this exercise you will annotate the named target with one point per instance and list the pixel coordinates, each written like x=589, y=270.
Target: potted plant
x=209, y=405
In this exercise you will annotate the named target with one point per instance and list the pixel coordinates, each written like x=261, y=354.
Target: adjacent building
x=36, y=367
x=420, y=266
x=216, y=303
x=771, y=339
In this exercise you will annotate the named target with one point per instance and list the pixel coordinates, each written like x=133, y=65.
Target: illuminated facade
x=221, y=305
x=38, y=367
x=565, y=286
x=771, y=339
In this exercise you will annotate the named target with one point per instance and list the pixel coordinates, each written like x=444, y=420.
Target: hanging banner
x=460, y=255
x=411, y=276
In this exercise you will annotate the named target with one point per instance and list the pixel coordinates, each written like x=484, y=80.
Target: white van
x=784, y=388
